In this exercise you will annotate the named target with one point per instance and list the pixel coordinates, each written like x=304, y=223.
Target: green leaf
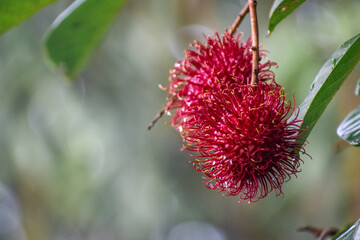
x=280, y=9
x=349, y=233
x=77, y=31
x=349, y=128
x=13, y=12
x=327, y=83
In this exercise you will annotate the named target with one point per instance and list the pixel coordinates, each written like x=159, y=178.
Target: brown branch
x=319, y=233
x=156, y=118
x=255, y=41
x=239, y=19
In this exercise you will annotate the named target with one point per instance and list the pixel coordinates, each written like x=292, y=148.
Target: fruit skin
x=241, y=133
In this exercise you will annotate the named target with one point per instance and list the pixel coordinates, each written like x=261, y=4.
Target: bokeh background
x=77, y=161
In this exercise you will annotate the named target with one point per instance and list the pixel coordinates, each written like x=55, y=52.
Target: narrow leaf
x=77, y=31
x=13, y=12
x=327, y=83
x=349, y=128
x=349, y=233
x=281, y=9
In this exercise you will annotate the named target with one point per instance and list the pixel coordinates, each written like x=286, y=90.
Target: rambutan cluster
x=240, y=133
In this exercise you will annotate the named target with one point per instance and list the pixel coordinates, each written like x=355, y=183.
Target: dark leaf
x=281, y=9
x=327, y=83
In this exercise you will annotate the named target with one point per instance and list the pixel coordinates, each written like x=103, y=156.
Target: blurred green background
x=77, y=161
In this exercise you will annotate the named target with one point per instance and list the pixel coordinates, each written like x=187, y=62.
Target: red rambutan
x=241, y=133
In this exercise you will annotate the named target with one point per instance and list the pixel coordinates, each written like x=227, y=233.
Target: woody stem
x=255, y=41
x=156, y=118
x=239, y=19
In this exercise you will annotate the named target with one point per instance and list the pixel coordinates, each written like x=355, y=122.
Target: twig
x=255, y=41
x=156, y=118
x=239, y=19
x=319, y=233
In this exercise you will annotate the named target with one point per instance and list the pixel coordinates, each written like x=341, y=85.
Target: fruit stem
x=255, y=41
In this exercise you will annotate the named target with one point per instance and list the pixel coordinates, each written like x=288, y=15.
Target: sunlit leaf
x=77, y=31
x=327, y=83
x=349, y=233
x=349, y=128
x=13, y=12
x=281, y=9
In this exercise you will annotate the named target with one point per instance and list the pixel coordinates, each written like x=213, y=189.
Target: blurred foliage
x=349, y=233
x=13, y=12
x=77, y=30
x=81, y=164
x=357, y=88
x=349, y=128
